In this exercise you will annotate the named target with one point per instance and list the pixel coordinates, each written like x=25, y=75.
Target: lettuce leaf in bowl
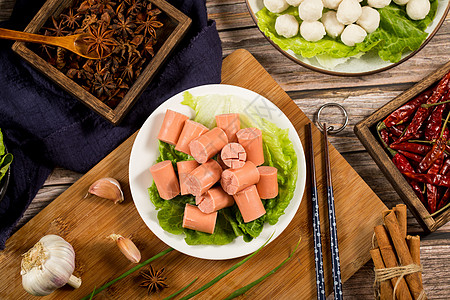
x=396, y=35
x=278, y=152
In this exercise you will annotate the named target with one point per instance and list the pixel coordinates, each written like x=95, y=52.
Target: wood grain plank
x=86, y=222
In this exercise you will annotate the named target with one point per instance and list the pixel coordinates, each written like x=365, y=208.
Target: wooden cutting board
x=86, y=222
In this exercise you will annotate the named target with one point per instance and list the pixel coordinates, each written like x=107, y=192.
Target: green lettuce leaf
x=5, y=158
x=278, y=152
x=396, y=35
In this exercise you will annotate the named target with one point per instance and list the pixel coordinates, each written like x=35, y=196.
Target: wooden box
x=366, y=132
x=175, y=26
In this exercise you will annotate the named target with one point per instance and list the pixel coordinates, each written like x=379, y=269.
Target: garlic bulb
x=108, y=188
x=48, y=266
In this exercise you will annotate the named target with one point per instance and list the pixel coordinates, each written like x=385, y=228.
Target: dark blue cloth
x=45, y=126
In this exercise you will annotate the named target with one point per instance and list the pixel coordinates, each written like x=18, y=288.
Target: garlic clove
x=107, y=188
x=127, y=247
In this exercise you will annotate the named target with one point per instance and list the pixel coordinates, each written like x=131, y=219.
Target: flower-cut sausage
x=251, y=139
x=203, y=177
x=235, y=180
x=171, y=127
x=268, y=184
x=191, y=131
x=165, y=179
x=184, y=168
x=250, y=204
x=195, y=219
x=207, y=145
x=213, y=200
x=233, y=155
x=230, y=123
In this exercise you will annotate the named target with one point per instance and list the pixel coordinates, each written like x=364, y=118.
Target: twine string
x=400, y=271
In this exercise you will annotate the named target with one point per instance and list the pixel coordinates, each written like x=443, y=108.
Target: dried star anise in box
x=126, y=29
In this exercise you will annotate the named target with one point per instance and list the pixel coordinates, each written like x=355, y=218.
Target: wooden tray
x=85, y=223
x=366, y=132
x=176, y=26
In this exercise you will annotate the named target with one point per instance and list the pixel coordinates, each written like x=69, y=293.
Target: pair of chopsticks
x=320, y=281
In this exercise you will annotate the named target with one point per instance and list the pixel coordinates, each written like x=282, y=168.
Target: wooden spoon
x=74, y=43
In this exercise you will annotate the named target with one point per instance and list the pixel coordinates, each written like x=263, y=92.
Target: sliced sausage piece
x=235, y=180
x=233, y=155
x=251, y=140
x=214, y=199
x=196, y=220
x=171, y=127
x=207, y=145
x=249, y=203
x=203, y=177
x=268, y=184
x=191, y=131
x=184, y=168
x=230, y=123
x=165, y=179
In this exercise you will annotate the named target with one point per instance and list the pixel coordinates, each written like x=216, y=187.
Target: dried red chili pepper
x=436, y=179
x=444, y=200
x=412, y=156
x=432, y=190
x=445, y=167
x=422, y=113
x=417, y=190
x=402, y=163
x=397, y=130
x=412, y=147
x=436, y=152
x=385, y=136
x=403, y=113
x=434, y=126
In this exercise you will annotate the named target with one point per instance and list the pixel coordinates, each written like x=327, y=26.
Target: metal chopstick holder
x=337, y=283
x=320, y=281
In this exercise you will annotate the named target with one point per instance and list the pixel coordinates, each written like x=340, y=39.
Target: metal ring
x=330, y=129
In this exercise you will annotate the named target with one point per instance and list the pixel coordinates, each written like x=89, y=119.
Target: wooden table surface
x=361, y=96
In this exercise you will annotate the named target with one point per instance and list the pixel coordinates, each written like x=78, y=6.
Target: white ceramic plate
x=369, y=63
x=145, y=152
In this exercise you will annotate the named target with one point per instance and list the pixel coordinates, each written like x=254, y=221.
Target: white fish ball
x=378, y=3
x=312, y=31
x=369, y=19
x=353, y=34
x=294, y=2
x=276, y=6
x=310, y=10
x=286, y=25
x=401, y=2
x=417, y=9
x=349, y=11
x=332, y=26
x=331, y=4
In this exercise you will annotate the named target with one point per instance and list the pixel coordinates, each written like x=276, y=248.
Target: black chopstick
x=337, y=283
x=320, y=281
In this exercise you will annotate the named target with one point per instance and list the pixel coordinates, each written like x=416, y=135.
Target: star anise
x=149, y=25
x=58, y=28
x=85, y=5
x=103, y=84
x=100, y=40
x=135, y=7
x=70, y=19
x=128, y=70
x=154, y=281
x=148, y=47
x=123, y=25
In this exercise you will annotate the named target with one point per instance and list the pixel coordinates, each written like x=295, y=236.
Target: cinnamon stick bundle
x=404, y=256
x=390, y=261
x=386, y=289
